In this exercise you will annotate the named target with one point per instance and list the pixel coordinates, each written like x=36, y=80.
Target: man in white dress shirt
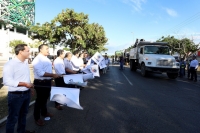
x=80, y=61
x=69, y=66
x=193, y=68
x=43, y=75
x=75, y=61
x=59, y=68
x=16, y=75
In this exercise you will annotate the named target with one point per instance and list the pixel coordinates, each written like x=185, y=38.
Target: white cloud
x=171, y=12
x=136, y=4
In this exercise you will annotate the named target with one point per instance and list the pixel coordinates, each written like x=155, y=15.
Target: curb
x=5, y=118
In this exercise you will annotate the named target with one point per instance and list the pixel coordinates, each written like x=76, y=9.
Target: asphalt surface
x=122, y=101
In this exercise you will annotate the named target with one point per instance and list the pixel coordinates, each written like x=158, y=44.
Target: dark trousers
x=193, y=73
x=43, y=94
x=189, y=73
x=121, y=65
x=18, y=105
x=182, y=72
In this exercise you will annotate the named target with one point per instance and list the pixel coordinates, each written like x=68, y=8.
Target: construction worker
x=188, y=69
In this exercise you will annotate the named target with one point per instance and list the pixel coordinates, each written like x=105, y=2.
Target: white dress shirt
x=59, y=66
x=41, y=64
x=106, y=61
x=75, y=63
x=15, y=71
x=194, y=63
x=68, y=64
x=80, y=62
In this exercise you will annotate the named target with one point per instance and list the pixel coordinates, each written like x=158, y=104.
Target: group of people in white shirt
x=19, y=84
x=67, y=63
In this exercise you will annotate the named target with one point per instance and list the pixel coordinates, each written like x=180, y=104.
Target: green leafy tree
x=188, y=47
x=184, y=47
x=46, y=33
x=71, y=28
x=14, y=43
x=35, y=44
x=66, y=49
x=95, y=38
x=174, y=44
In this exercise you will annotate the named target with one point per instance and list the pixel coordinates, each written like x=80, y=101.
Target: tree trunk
x=53, y=49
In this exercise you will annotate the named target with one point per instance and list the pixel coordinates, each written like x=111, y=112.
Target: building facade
x=15, y=18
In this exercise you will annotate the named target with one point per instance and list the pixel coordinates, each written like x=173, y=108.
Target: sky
x=126, y=20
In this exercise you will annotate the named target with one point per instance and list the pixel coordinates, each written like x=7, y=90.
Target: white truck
x=153, y=57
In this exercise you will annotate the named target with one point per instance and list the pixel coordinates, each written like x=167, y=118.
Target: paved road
x=126, y=102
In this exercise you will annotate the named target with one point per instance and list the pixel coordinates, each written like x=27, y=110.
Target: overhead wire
x=176, y=28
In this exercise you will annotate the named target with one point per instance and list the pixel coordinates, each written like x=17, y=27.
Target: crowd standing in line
x=20, y=87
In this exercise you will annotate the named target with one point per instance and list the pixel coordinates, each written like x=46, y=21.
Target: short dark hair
x=19, y=47
x=41, y=46
x=67, y=54
x=59, y=52
x=81, y=54
x=76, y=52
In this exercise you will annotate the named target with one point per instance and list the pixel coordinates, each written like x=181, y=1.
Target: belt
x=43, y=79
x=19, y=92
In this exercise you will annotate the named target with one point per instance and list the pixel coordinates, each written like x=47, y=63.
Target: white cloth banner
x=95, y=70
x=88, y=76
x=88, y=63
x=102, y=64
x=97, y=57
x=86, y=70
x=73, y=78
x=66, y=96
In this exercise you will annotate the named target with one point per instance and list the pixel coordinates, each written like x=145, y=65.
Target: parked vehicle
x=153, y=57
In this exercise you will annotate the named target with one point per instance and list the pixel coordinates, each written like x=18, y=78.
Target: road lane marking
x=127, y=79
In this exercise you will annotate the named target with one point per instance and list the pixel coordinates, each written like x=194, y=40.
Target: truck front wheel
x=172, y=75
x=133, y=65
x=143, y=70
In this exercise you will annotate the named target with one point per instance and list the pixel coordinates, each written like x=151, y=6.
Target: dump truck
x=153, y=57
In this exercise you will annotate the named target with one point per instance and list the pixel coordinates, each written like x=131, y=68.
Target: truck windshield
x=156, y=50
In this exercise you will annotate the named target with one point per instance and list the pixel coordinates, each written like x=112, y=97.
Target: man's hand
x=57, y=76
x=28, y=85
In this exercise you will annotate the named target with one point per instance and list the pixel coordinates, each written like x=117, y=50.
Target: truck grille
x=164, y=63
